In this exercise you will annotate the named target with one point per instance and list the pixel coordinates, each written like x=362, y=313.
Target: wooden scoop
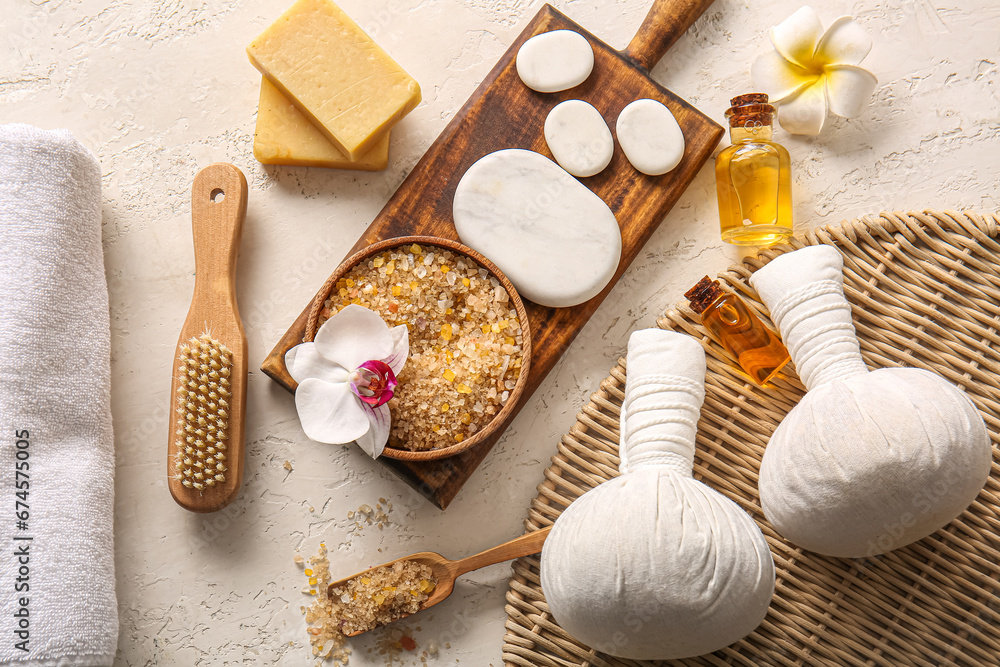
x=445, y=571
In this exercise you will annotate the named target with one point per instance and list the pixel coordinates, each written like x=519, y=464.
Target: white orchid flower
x=811, y=71
x=346, y=376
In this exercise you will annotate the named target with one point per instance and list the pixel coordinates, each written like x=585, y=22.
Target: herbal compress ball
x=654, y=564
x=867, y=462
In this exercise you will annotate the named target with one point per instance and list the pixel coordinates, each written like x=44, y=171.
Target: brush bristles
x=203, y=415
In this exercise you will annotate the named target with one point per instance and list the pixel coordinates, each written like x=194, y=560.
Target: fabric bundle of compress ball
x=654, y=564
x=868, y=461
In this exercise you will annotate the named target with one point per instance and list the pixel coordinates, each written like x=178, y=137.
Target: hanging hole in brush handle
x=665, y=22
x=218, y=211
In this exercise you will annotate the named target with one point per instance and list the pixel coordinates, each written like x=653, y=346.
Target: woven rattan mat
x=925, y=289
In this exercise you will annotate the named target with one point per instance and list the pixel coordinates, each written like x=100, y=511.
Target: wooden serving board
x=504, y=113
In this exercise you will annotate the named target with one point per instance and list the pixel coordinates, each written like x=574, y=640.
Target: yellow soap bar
x=335, y=74
x=285, y=136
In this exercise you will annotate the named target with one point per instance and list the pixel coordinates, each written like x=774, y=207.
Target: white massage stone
x=555, y=61
x=557, y=241
x=650, y=137
x=579, y=138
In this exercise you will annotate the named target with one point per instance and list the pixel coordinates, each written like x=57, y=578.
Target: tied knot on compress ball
x=659, y=420
x=816, y=323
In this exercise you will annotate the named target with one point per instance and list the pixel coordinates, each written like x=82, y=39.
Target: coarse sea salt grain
x=372, y=599
x=465, y=340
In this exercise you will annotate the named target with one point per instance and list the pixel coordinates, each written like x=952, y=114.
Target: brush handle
x=218, y=210
x=666, y=21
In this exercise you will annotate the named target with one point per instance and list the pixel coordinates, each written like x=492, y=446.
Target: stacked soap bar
x=329, y=94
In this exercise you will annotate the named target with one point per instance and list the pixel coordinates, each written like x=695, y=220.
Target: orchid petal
x=330, y=412
x=806, y=112
x=400, y=348
x=848, y=89
x=796, y=37
x=353, y=336
x=779, y=78
x=304, y=361
x=373, y=442
x=844, y=43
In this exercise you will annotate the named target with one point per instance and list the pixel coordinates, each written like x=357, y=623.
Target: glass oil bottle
x=757, y=349
x=753, y=177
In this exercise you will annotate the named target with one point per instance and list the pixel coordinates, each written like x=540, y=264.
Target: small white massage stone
x=554, y=61
x=557, y=241
x=650, y=137
x=579, y=138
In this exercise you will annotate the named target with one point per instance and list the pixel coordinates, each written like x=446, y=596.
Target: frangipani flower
x=346, y=376
x=811, y=71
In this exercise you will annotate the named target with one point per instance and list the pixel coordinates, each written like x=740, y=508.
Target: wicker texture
x=925, y=289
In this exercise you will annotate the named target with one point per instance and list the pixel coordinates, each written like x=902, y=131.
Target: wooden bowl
x=501, y=417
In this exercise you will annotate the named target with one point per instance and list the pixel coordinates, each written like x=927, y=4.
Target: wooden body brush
x=208, y=395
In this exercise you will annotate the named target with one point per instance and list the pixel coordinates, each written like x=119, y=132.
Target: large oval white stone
x=557, y=241
x=555, y=61
x=579, y=138
x=650, y=137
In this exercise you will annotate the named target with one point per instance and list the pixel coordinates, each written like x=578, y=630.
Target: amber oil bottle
x=757, y=349
x=753, y=177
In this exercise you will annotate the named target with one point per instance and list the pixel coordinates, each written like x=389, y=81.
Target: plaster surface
x=158, y=89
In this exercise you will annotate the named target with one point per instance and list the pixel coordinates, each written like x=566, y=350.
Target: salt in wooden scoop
x=445, y=571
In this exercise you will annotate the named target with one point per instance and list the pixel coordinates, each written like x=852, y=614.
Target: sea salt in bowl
x=470, y=347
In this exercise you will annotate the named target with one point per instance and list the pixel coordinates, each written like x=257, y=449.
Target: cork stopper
x=748, y=98
x=750, y=110
x=703, y=294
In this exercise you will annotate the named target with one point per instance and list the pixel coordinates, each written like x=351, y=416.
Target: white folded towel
x=56, y=444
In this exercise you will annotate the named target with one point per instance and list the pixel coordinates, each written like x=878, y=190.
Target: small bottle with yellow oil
x=757, y=349
x=753, y=177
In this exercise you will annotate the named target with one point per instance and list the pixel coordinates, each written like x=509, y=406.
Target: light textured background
x=159, y=88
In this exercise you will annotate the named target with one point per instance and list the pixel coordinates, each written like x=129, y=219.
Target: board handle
x=666, y=21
